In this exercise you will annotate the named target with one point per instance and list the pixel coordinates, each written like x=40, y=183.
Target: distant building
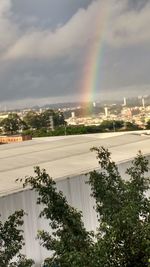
x=3, y=116
x=73, y=114
x=14, y=138
x=143, y=102
x=62, y=157
x=94, y=104
x=106, y=112
x=126, y=112
x=124, y=102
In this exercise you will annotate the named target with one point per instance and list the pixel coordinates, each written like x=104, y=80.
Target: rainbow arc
x=93, y=61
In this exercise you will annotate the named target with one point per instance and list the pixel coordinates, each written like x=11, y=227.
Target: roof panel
x=63, y=156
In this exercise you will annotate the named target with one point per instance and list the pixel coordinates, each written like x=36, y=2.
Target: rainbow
x=94, y=58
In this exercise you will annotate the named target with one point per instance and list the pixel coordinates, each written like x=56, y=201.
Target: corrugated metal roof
x=63, y=156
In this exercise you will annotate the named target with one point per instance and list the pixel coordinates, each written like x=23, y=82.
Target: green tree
x=11, y=242
x=58, y=118
x=70, y=241
x=107, y=125
x=13, y=124
x=148, y=125
x=123, y=210
x=124, y=213
x=33, y=120
x=38, y=121
x=131, y=126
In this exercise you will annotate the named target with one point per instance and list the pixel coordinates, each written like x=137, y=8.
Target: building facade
x=66, y=159
x=6, y=139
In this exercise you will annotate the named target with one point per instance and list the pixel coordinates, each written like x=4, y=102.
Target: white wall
x=78, y=195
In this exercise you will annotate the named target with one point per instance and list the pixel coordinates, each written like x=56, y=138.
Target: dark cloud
x=62, y=77
x=123, y=68
x=40, y=79
x=137, y=4
x=46, y=13
x=51, y=65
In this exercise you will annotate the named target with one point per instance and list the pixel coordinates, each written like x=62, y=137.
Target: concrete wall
x=78, y=195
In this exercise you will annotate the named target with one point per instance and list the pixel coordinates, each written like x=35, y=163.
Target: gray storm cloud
x=125, y=27
x=42, y=64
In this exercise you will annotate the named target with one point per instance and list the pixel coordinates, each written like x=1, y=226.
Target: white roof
x=64, y=156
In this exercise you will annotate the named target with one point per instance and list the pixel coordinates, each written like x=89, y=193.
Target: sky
x=45, y=46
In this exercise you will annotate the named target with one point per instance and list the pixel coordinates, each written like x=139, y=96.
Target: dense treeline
x=105, y=126
x=32, y=121
x=52, y=123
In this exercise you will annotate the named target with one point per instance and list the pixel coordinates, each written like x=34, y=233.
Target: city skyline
x=45, y=46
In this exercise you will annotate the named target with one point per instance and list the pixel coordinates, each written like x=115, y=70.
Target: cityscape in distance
x=78, y=118
x=74, y=133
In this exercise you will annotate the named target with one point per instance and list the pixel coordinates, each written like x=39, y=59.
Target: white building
x=66, y=159
x=106, y=112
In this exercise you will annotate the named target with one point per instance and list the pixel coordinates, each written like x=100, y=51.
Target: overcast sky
x=45, y=44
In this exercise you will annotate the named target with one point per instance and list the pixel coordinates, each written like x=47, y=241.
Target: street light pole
x=114, y=128
x=65, y=129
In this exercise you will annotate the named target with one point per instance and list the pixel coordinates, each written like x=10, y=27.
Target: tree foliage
x=38, y=121
x=12, y=241
x=109, y=125
x=123, y=209
x=148, y=125
x=69, y=241
x=131, y=126
x=58, y=118
x=13, y=124
x=32, y=119
x=124, y=213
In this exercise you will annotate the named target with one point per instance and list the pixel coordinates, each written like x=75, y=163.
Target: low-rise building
x=62, y=157
x=6, y=139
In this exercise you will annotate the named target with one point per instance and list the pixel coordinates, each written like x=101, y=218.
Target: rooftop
x=65, y=156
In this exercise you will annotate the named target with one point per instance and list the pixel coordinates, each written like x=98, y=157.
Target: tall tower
x=51, y=123
x=94, y=104
x=143, y=102
x=106, y=111
x=72, y=115
x=142, y=98
x=124, y=101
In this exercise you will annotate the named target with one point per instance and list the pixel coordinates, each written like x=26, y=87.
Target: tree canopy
x=148, y=125
x=41, y=120
x=109, y=125
x=13, y=124
x=32, y=119
x=70, y=241
x=123, y=209
x=124, y=212
x=12, y=241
